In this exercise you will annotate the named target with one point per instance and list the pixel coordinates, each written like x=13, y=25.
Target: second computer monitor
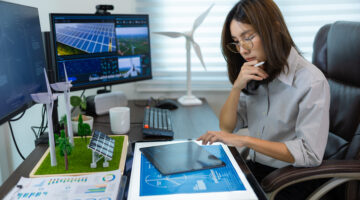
x=100, y=50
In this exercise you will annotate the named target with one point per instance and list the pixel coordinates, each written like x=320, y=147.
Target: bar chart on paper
x=67, y=180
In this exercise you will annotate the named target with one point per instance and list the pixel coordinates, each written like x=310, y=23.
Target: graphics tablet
x=180, y=157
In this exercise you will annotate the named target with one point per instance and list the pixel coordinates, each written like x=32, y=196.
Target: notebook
x=180, y=157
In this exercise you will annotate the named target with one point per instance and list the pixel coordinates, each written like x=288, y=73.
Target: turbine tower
x=65, y=87
x=48, y=98
x=189, y=99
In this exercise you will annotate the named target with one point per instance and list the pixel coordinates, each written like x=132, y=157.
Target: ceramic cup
x=119, y=119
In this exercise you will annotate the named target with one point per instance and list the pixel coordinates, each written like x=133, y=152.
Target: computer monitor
x=100, y=50
x=22, y=59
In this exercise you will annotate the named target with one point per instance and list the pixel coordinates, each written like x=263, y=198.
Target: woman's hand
x=221, y=136
x=249, y=72
x=277, y=150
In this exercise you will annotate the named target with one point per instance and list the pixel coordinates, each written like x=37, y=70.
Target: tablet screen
x=180, y=157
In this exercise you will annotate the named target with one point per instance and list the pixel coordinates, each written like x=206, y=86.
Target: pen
x=259, y=64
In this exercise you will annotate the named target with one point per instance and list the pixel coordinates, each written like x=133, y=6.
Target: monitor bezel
x=93, y=85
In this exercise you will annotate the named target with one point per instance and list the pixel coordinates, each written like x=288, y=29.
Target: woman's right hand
x=247, y=73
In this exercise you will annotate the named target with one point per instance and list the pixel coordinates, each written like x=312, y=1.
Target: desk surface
x=190, y=123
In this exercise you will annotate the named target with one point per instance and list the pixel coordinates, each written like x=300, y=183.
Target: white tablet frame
x=134, y=187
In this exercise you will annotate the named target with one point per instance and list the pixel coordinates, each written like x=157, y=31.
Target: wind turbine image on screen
x=65, y=87
x=48, y=99
x=189, y=99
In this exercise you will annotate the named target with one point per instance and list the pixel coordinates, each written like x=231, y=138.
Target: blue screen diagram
x=220, y=179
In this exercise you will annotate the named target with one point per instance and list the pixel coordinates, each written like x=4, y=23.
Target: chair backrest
x=337, y=55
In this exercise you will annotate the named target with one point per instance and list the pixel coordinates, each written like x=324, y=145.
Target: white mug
x=119, y=119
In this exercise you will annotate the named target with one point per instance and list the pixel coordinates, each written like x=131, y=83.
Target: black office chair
x=337, y=55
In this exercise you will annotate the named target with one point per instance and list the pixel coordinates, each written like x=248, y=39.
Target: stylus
x=259, y=64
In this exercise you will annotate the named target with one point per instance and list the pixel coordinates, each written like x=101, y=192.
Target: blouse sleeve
x=312, y=126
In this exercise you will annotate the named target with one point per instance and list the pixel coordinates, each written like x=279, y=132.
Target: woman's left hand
x=221, y=136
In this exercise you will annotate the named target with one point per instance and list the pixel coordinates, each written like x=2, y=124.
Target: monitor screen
x=100, y=50
x=22, y=58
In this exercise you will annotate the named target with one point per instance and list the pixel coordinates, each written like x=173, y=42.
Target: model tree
x=83, y=128
x=63, y=124
x=65, y=147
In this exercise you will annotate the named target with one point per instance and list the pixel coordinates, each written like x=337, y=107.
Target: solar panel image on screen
x=102, y=144
x=81, y=38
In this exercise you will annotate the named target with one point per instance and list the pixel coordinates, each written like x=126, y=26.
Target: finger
x=214, y=139
x=262, y=72
x=255, y=70
x=251, y=63
x=209, y=137
x=205, y=139
x=254, y=77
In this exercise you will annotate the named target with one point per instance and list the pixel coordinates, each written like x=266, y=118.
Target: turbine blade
x=60, y=86
x=41, y=97
x=198, y=53
x=66, y=77
x=201, y=18
x=170, y=34
x=47, y=82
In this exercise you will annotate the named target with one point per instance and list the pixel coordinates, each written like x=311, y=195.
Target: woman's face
x=245, y=33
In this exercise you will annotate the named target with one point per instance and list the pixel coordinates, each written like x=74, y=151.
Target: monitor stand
x=102, y=91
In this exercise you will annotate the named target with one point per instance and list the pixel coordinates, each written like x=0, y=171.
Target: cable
x=17, y=148
x=42, y=127
x=82, y=94
x=22, y=114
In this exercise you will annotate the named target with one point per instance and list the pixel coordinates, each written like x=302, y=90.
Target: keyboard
x=157, y=122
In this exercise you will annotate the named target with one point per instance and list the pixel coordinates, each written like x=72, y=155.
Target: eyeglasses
x=245, y=43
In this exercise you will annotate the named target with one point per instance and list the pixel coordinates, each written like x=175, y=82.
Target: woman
x=284, y=102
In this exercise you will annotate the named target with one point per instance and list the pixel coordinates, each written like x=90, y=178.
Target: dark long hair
x=266, y=19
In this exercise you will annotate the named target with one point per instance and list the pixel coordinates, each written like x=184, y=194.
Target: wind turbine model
x=189, y=99
x=48, y=98
x=65, y=87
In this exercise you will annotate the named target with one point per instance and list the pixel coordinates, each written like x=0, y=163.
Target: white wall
x=10, y=159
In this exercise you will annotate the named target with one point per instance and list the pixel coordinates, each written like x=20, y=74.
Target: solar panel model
x=101, y=146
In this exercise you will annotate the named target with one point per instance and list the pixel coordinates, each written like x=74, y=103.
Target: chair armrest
x=328, y=169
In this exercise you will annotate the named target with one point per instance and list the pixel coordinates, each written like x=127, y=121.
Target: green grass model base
x=81, y=158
